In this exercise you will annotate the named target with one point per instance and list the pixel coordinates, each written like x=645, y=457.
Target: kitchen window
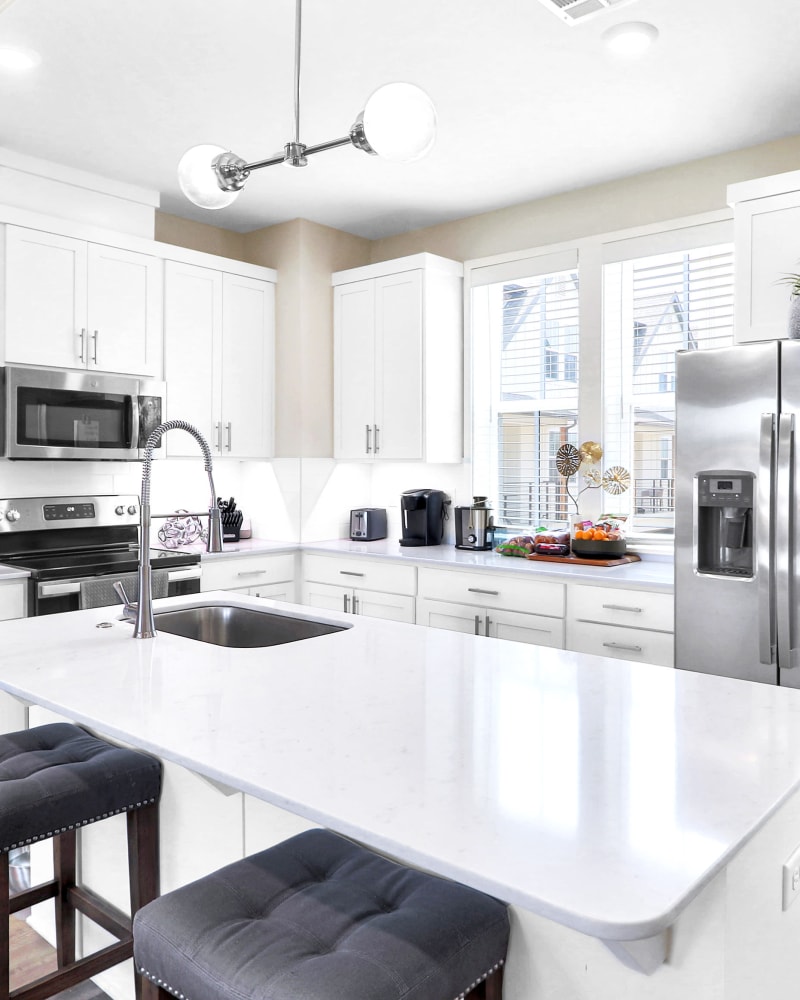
x=579, y=343
x=525, y=345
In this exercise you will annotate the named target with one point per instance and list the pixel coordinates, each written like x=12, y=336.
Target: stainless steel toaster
x=367, y=524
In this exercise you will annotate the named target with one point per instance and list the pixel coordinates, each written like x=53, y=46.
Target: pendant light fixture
x=398, y=123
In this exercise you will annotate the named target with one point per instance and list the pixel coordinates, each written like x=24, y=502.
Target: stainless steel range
x=63, y=541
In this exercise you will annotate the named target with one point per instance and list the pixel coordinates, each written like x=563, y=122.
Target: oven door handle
x=178, y=575
x=58, y=589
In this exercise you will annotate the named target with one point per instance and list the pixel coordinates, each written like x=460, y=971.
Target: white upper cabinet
x=398, y=361
x=219, y=334
x=767, y=247
x=73, y=304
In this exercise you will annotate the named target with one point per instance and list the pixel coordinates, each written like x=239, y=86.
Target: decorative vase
x=794, y=318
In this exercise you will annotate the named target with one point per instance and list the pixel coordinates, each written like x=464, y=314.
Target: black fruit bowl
x=592, y=549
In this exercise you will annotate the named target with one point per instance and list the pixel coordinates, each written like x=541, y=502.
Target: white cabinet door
x=192, y=351
x=398, y=367
x=72, y=304
x=766, y=213
x=369, y=603
x=275, y=591
x=454, y=617
x=45, y=299
x=327, y=596
x=390, y=607
x=537, y=630
x=398, y=339
x=248, y=358
x=354, y=369
x=219, y=345
x=124, y=318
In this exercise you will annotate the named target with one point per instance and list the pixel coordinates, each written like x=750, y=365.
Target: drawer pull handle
x=622, y=607
x=250, y=572
x=350, y=572
x=477, y=590
x=621, y=645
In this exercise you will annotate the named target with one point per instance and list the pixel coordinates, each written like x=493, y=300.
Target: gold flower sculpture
x=569, y=460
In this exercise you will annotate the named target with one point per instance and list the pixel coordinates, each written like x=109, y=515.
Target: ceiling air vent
x=575, y=11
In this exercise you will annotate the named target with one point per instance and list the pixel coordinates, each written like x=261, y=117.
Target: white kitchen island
x=629, y=813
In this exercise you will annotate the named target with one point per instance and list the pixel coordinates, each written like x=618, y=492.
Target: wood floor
x=31, y=956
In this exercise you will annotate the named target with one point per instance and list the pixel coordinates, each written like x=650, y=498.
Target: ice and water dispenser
x=725, y=523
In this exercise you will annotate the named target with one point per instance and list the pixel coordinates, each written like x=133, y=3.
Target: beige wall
x=198, y=236
x=669, y=193
x=304, y=254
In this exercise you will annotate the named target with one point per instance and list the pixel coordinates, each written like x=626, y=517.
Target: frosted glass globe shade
x=400, y=122
x=198, y=179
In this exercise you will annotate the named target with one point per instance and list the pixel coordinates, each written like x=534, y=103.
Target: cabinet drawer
x=493, y=590
x=623, y=643
x=249, y=571
x=614, y=606
x=366, y=574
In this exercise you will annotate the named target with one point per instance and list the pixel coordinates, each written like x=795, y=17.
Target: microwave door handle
x=764, y=549
x=784, y=495
x=134, y=422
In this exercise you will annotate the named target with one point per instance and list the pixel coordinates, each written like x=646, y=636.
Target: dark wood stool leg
x=64, y=867
x=4, y=918
x=494, y=985
x=143, y=868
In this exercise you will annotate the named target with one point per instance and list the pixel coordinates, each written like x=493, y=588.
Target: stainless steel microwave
x=60, y=414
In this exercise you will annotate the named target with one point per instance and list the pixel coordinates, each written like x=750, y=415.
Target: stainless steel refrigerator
x=737, y=488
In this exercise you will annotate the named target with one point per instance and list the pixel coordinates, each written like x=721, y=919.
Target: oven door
x=51, y=597
x=72, y=415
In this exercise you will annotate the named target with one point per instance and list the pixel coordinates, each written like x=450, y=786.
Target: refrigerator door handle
x=784, y=496
x=764, y=521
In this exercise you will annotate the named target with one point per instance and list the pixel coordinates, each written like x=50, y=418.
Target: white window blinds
x=525, y=391
x=653, y=307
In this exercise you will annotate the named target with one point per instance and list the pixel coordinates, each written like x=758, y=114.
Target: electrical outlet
x=791, y=879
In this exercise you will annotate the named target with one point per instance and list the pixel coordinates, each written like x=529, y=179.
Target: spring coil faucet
x=145, y=627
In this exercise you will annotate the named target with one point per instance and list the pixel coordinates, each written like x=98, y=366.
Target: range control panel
x=36, y=513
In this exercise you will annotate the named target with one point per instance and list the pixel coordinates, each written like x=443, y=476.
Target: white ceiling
x=527, y=106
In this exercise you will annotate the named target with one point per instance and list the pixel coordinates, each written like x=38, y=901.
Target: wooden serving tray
x=573, y=560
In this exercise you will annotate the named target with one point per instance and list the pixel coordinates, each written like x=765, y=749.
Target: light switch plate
x=791, y=879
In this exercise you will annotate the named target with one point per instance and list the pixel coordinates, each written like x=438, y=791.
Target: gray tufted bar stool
x=55, y=779
x=318, y=917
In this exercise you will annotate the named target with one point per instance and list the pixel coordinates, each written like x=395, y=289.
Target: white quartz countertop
x=598, y=793
x=651, y=573
x=8, y=573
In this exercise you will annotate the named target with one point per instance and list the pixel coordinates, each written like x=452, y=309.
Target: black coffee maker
x=422, y=513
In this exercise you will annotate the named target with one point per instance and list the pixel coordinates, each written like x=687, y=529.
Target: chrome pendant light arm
x=404, y=141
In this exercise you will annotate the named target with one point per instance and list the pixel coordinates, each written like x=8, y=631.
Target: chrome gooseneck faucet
x=145, y=627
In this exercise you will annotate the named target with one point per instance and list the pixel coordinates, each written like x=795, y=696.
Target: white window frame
x=592, y=252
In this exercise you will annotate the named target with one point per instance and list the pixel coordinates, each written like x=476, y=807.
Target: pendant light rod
x=297, y=37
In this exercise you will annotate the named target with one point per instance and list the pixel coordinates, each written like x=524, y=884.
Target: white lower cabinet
x=369, y=587
x=628, y=624
x=494, y=622
x=502, y=607
x=13, y=603
x=259, y=575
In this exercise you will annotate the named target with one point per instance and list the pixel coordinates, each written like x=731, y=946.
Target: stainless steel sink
x=230, y=625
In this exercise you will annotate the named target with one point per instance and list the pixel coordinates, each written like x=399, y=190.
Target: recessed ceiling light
x=631, y=38
x=16, y=60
